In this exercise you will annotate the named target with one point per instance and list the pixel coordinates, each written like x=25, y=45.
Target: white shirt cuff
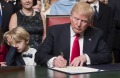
x=88, y=60
x=50, y=62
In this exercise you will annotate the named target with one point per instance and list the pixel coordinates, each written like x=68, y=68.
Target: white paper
x=75, y=70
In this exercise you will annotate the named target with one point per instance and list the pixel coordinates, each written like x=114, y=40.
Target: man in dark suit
x=104, y=20
x=57, y=48
x=7, y=11
x=115, y=5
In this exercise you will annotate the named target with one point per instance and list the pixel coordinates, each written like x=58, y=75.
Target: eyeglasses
x=80, y=20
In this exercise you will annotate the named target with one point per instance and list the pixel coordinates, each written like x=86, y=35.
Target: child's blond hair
x=16, y=34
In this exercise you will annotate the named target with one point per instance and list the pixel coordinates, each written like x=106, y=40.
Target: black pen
x=61, y=54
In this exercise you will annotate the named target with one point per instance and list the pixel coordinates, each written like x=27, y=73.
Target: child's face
x=21, y=45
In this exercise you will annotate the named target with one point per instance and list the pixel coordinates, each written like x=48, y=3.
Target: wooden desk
x=43, y=72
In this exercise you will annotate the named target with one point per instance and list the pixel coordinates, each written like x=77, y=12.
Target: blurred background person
x=6, y=10
x=3, y=48
x=103, y=19
x=62, y=7
x=115, y=5
x=32, y=21
x=46, y=6
x=15, y=5
x=38, y=6
x=104, y=1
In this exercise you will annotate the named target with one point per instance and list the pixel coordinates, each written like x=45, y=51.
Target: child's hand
x=3, y=64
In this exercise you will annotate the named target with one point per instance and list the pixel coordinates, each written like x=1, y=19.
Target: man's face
x=79, y=22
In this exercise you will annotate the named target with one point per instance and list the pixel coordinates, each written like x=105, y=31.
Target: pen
x=61, y=53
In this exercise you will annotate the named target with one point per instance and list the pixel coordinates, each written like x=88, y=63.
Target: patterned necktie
x=75, y=48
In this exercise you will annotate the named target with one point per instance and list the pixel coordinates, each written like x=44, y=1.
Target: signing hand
x=79, y=61
x=60, y=62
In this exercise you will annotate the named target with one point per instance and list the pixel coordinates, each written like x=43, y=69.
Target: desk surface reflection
x=43, y=72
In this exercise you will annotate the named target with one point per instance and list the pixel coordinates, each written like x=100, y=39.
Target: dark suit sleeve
x=111, y=30
x=10, y=57
x=101, y=54
x=44, y=51
x=111, y=3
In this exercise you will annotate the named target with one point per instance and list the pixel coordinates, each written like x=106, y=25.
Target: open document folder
x=76, y=70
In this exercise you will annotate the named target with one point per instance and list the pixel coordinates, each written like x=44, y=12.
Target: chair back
x=57, y=19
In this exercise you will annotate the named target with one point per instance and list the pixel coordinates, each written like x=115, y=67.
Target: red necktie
x=75, y=48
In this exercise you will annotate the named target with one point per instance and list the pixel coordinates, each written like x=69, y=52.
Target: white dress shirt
x=1, y=8
x=97, y=5
x=81, y=40
x=28, y=60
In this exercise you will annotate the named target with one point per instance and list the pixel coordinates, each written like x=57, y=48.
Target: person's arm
x=13, y=22
x=2, y=64
x=43, y=54
x=44, y=26
x=111, y=30
x=10, y=57
x=101, y=54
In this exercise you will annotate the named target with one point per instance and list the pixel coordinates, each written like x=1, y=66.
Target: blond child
x=20, y=53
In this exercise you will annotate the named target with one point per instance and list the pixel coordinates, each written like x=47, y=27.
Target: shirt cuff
x=50, y=62
x=88, y=60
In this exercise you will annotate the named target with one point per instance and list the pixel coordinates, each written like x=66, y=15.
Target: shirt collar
x=73, y=33
x=26, y=52
x=97, y=4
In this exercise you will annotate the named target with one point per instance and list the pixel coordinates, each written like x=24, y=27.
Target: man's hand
x=79, y=61
x=59, y=62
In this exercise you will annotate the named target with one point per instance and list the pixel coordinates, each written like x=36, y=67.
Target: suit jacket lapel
x=65, y=41
x=101, y=10
x=88, y=37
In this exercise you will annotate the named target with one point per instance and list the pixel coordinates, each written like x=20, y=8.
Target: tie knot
x=27, y=55
x=95, y=6
x=77, y=35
